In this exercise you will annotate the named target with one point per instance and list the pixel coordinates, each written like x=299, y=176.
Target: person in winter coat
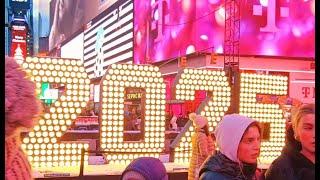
x=145, y=168
x=21, y=110
x=202, y=145
x=297, y=159
x=238, y=139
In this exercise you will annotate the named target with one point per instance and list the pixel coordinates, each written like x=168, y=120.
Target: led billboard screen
x=69, y=16
x=19, y=42
x=167, y=29
x=108, y=38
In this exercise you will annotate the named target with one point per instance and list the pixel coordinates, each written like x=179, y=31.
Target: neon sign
x=43, y=145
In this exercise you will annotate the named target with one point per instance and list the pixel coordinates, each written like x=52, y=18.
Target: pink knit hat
x=21, y=110
x=21, y=104
x=198, y=120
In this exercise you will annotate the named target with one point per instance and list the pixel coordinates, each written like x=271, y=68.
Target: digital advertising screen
x=108, y=38
x=19, y=42
x=69, y=16
x=165, y=29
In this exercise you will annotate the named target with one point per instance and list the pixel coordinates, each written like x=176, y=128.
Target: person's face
x=306, y=132
x=249, y=147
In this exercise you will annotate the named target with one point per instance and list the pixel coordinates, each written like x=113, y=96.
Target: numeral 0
x=117, y=78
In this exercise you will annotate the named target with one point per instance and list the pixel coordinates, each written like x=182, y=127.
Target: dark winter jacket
x=220, y=167
x=291, y=164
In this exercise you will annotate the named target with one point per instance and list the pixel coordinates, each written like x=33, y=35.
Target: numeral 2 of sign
x=117, y=78
x=271, y=114
x=214, y=108
x=42, y=144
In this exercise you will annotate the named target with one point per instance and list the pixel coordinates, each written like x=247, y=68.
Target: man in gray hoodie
x=238, y=139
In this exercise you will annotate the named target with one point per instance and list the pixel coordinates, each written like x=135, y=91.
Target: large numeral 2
x=186, y=83
x=42, y=144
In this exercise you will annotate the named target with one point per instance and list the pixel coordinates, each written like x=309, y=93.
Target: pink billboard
x=166, y=29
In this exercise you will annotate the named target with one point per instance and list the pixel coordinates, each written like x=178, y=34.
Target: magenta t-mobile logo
x=271, y=14
x=159, y=17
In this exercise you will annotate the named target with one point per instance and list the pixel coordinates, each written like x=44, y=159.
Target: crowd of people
x=237, y=137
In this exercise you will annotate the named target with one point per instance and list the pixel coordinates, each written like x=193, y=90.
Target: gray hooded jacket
x=226, y=165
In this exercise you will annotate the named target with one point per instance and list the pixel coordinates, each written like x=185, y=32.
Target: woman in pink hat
x=21, y=109
x=202, y=145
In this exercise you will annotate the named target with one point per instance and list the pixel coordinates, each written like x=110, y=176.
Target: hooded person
x=238, y=140
x=297, y=159
x=21, y=110
x=202, y=145
x=145, y=168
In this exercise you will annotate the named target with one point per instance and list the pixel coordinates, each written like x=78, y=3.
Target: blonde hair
x=299, y=113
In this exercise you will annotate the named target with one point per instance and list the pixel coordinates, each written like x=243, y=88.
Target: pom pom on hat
x=198, y=120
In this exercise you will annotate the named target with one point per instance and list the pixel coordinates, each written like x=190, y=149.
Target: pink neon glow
x=219, y=49
x=219, y=15
x=296, y=31
x=173, y=34
x=186, y=5
x=268, y=49
x=213, y=1
x=156, y=15
x=138, y=38
x=204, y=37
x=189, y=22
x=264, y=3
x=312, y=7
x=190, y=49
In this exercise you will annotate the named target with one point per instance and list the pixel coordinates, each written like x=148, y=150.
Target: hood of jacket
x=229, y=132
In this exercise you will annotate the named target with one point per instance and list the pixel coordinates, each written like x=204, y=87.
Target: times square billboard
x=165, y=29
x=68, y=17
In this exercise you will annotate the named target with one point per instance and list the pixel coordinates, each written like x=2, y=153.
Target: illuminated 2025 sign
x=43, y=144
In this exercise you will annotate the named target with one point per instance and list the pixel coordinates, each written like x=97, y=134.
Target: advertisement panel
x=75, y=45
x=302, y=87
x=20, y=4
x=69, y=16
x=167, y=29
x=108, y=38
x=19, y=43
